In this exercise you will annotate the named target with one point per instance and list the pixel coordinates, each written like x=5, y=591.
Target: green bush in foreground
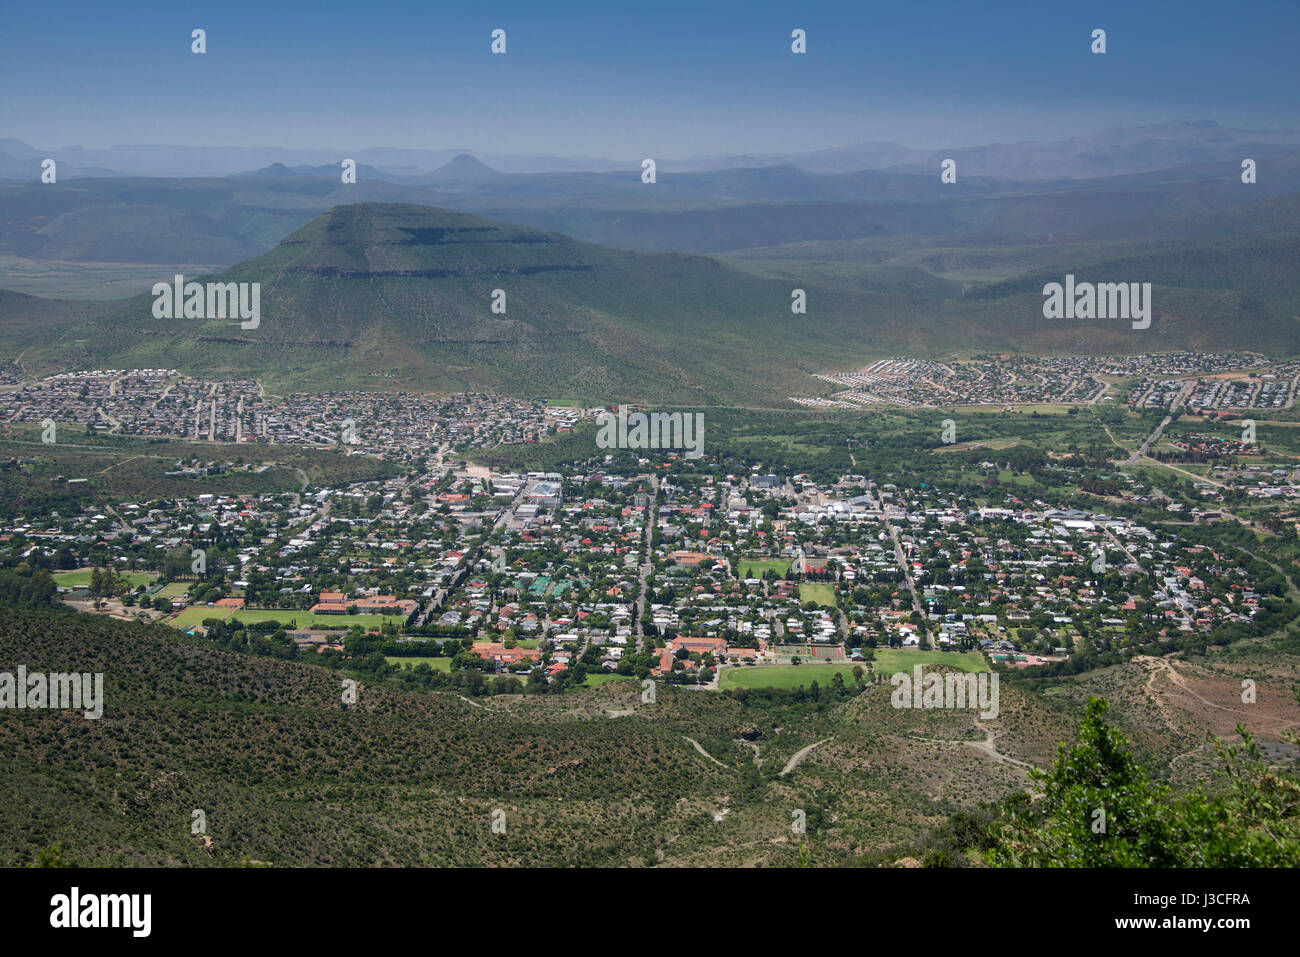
x=1099, y=808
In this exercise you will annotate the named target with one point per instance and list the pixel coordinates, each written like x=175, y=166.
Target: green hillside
x=286, y=774
x=408, y=290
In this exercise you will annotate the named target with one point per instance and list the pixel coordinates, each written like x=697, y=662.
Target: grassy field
x=437, y=664
x=82, y=577
x=824, y=595
x=891, y=660
x=194, y=616
x=781, y=676
x=754, y=568
x=303, y=619
x=287, y=617
x=595, y=680
x=173, y=590
x=1013, y=479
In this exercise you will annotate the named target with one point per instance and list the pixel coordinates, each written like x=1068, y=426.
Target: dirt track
x=798, y=757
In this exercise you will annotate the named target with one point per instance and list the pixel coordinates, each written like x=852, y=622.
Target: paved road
x=462, y=570
x=1154, y=437
x=1120, y=545
x=903, y=565
x=646, y=566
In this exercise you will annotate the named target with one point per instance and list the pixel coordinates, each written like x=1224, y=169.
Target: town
x=1158, y=380
x=636, y=567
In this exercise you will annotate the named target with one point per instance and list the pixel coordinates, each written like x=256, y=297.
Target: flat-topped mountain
x=390, y=287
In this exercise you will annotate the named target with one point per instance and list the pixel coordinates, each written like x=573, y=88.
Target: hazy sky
x=631, y=79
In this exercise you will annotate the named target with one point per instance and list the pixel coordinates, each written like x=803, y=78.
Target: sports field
x=887, y=661
x=437, y=664
x=824, y=595
x=756, y=567
x=891, y=660
x=286, y=617
x=82, y=577
x=193, y=616
x=304, y=619
x=809, y=651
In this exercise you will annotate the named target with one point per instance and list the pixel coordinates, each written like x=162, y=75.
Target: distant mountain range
x=1112, y=151
x=224, y=220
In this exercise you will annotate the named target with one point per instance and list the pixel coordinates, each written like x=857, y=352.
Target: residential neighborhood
x=670, y=570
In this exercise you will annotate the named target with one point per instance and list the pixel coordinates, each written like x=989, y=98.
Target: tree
x=52, y=856
x=177, y=563
x=1100, y=809
x=105, y=583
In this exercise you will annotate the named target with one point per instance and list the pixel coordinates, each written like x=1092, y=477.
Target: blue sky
x=635, y=79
